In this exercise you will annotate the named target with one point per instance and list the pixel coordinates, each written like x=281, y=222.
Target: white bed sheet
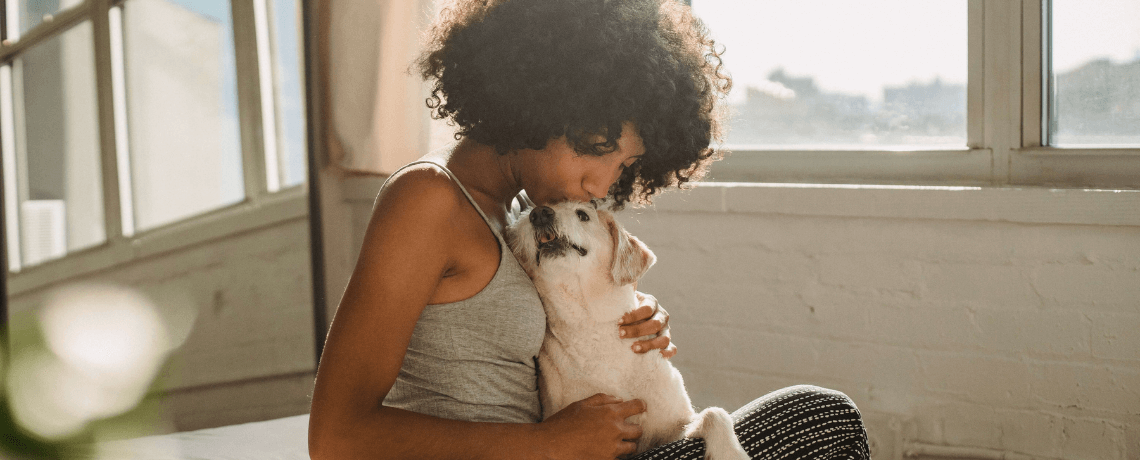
x=278, y=439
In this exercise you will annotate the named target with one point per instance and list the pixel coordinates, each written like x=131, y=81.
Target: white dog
x=585, y=265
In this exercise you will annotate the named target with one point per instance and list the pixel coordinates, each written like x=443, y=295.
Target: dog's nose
x=542, y=216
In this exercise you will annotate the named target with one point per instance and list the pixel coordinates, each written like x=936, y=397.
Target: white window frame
x=1008, y=61
x=266, y=202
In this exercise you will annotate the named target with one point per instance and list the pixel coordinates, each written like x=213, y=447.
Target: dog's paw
x=725, y=451
x=716, y=427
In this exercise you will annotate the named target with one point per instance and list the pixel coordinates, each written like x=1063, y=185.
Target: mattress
x=278, y=439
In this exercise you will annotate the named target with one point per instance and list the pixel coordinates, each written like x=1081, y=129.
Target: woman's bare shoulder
x=407, y=248
x=422, y=193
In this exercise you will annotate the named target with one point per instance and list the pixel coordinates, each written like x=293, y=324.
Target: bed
x=278, y=439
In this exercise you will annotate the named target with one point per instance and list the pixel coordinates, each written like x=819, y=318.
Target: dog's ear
x=631, y=257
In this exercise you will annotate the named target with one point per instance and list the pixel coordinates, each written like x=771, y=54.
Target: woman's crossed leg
x=797, y=422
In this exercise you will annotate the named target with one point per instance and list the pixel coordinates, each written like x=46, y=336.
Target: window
x=806, y=76
x=971, y=92
x=289, y=89
x=182, y=108
x=120, y=118
x=60, y=202
x=1094, y=73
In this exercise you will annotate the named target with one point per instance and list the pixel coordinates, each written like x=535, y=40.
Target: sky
x=1083, y=29
x=857, y=47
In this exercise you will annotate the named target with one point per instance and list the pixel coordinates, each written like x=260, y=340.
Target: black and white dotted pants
x=797, y=422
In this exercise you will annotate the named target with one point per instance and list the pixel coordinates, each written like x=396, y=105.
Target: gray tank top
x=477, y=359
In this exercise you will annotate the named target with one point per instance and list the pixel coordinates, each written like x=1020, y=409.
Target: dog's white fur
x=585, y=297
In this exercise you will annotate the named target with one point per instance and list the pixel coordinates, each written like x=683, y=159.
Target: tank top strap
x=461, y=188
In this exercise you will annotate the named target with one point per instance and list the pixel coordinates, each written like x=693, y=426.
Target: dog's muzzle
x=550, y=243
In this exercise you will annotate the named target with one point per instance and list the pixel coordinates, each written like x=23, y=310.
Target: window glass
x=837, y=74
x=56, y=145
x=285, y=22
x=185, y=151
x=1095, y=97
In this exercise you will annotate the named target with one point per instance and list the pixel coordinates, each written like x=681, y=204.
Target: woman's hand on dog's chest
x=649, y=320
x=595, y=427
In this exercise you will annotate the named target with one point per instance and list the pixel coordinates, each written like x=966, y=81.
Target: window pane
x=1096, y=73
x=842, y=74
x=57, y=140
x=285, y=22
x=181, y=108
x=31, y=12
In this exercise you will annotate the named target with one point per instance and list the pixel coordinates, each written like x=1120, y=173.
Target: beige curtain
x=378, y=120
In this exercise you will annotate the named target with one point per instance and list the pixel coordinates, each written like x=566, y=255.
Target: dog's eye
x=582, y=216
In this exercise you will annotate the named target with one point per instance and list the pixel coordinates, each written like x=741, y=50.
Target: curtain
x=378, y=119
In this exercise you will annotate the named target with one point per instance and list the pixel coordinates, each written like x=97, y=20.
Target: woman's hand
x=593, y=428
x=650, y=322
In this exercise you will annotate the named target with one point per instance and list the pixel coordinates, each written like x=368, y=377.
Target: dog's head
x=573, y=237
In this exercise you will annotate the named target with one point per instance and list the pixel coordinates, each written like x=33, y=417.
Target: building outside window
x=903, y=92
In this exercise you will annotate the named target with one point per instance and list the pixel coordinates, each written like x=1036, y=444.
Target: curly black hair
x=515, y=74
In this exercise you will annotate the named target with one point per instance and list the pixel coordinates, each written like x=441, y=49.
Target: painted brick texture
x=247, y=350
x=995, y=335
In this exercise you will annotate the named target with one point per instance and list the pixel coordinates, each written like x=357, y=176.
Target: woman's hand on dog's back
x=593, y=428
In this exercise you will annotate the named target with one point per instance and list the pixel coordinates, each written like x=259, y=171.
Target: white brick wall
x=249, y=354
x=969, y=329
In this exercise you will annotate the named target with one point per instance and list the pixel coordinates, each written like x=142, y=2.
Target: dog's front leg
x=715, y=426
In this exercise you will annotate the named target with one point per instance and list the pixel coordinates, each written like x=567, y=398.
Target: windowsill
x=287, y=205
x=1037, y=205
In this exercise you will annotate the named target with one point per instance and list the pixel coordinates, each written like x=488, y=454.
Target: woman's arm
x=405, y=253
x=407, y=249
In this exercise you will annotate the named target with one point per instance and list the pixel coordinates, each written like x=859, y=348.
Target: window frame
x=1035, y=162
x=266, y=202
x=1007, y=72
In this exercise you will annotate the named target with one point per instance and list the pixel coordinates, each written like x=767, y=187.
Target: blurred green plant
x=17, y=443
x=78, y=370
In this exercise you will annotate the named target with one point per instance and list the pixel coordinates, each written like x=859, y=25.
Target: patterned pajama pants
x=797, y=422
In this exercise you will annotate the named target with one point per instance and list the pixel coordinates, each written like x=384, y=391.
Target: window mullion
x=113, y=204
x=11, y=21
x=20, y=150
x=249, y=99
x=11, y=206
x=17, y=43
x=1034, y=70
x=976, y=75
x=1002, y=84
x=268, y=96
x=1046, y=52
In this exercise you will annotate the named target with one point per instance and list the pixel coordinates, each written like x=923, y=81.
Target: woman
x=432, y=350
